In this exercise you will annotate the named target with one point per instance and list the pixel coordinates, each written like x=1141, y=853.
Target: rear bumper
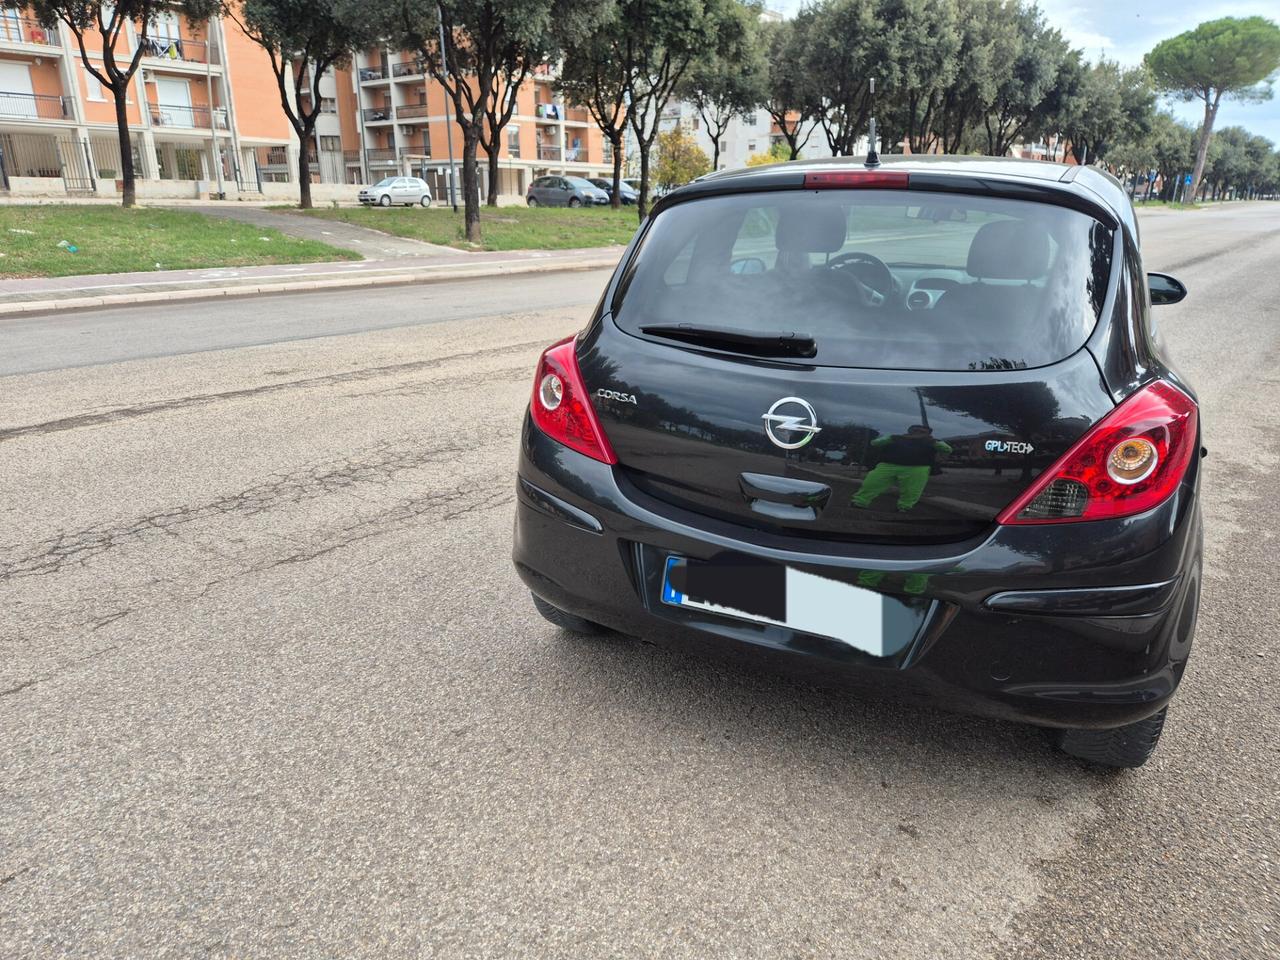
x=1076, y=625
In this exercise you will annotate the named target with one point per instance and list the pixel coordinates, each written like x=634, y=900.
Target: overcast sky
x=1124, y=31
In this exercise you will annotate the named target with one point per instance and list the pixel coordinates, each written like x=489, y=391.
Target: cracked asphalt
x=269, y=686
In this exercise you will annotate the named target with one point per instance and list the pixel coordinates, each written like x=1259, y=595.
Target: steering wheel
x=875, y=280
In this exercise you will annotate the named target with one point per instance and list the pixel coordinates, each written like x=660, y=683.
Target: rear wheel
x=567, y=621
x=1128, y=746
x=532, y=201
x=575, y=202
x=384, y=200
x=426, y=200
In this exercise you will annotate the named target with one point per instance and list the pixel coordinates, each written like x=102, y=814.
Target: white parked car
x=399, y=190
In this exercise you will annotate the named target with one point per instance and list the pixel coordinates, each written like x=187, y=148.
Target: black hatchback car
x=907, y=427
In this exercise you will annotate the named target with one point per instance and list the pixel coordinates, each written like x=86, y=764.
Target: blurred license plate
x=761, y=591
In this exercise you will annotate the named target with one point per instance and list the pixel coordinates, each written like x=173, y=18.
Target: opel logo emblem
x=791, y=423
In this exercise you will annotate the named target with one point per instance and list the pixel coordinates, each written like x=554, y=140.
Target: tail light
x=1130, y=461
x=560, y=407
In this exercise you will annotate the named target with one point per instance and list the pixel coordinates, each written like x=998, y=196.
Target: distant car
x=626, y=191
x=655, y=191
x=565, y=192
x=397, y=190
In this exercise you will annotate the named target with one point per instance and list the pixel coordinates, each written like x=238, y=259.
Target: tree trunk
x=129, y=193
x=471, y=184
x=492, y=199
x=1202, y=148
x=616, y=200
x=642, y=202
x=304, y=177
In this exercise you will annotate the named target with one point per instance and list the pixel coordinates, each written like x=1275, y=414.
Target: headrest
x=1009, y=250
x=810, y=228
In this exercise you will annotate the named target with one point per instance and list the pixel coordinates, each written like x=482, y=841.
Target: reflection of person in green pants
x=905, y=463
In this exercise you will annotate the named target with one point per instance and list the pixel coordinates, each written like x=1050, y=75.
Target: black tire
x=1127, y=746
x=567, y=621
x=532, y=201
x=384, y=200
x=425, y=200
x=575, y=202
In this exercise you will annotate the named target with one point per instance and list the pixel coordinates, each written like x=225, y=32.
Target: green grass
x=115, y=240
x=503, y=228
x=1168, y=205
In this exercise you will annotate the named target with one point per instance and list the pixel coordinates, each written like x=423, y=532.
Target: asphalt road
x=269, y=686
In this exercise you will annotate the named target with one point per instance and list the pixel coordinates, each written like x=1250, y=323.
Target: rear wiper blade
x=777, y=344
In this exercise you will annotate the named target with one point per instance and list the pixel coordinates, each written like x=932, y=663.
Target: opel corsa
x=905, y=426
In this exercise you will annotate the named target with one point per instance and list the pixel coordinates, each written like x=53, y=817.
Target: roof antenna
x=873, y=157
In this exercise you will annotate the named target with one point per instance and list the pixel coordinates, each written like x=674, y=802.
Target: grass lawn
x=115, y=240
x=503, y=228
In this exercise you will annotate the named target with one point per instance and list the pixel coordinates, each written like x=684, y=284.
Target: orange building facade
x=205, y=119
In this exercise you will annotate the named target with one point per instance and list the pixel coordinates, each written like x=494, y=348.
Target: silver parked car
x=564, y=192
x=398, y=190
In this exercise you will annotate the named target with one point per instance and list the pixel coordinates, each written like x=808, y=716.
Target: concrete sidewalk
x=43, y=294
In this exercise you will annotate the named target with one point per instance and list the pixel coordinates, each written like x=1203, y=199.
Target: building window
x=93, y=89
x=328, y=105
x=751, y=146
x=513, y=142
x=330, y=143
x=724, y=145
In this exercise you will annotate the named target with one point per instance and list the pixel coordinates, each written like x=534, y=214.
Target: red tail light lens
x=560, y=406
x=1130, y=461
x=845, y=179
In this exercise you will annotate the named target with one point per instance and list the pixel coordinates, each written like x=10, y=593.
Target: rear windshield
x=885, y=279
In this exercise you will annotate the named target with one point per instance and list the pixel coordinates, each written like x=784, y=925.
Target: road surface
x=270, y=687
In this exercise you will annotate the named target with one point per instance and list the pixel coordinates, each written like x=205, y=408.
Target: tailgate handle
x=783, y=497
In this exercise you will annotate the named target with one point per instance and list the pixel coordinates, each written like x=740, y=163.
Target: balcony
x=409, y=110
x=16, y=29
x=381, y=155
x=548, y=152
x=407, y=68
x=181, y=115
x=350, y=156
x=416, y=150
x=33, y=106
x=377, y=114
x=177, y=50
x=373, y=74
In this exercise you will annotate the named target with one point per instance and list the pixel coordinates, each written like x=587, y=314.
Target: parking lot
x=269, y=683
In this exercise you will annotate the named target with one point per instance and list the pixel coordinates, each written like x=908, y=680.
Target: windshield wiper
x=779, y=344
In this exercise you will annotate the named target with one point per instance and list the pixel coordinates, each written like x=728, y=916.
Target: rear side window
x=883, y=279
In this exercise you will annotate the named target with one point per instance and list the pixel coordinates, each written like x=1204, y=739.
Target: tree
x=844, y=46
x=1230, y=57
x=1109, y=105
x=926, y=63
x=660, y=40
x=102, y=26
x=481, y=39
x=778, y=153
x=303, y=40
x=729, y=83
x=590, y=77
x=784, y=94
x=1028, y=63
x=680, y=160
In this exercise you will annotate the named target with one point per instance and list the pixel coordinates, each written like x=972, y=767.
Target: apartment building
x=402, y=119
x=205, y=119
x=202, y=112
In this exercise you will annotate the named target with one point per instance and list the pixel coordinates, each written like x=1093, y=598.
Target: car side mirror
x=1165, y=289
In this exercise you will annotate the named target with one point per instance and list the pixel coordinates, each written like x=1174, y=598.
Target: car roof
x=1051, y=181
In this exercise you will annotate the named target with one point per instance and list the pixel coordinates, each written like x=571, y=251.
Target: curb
x=452, y=271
